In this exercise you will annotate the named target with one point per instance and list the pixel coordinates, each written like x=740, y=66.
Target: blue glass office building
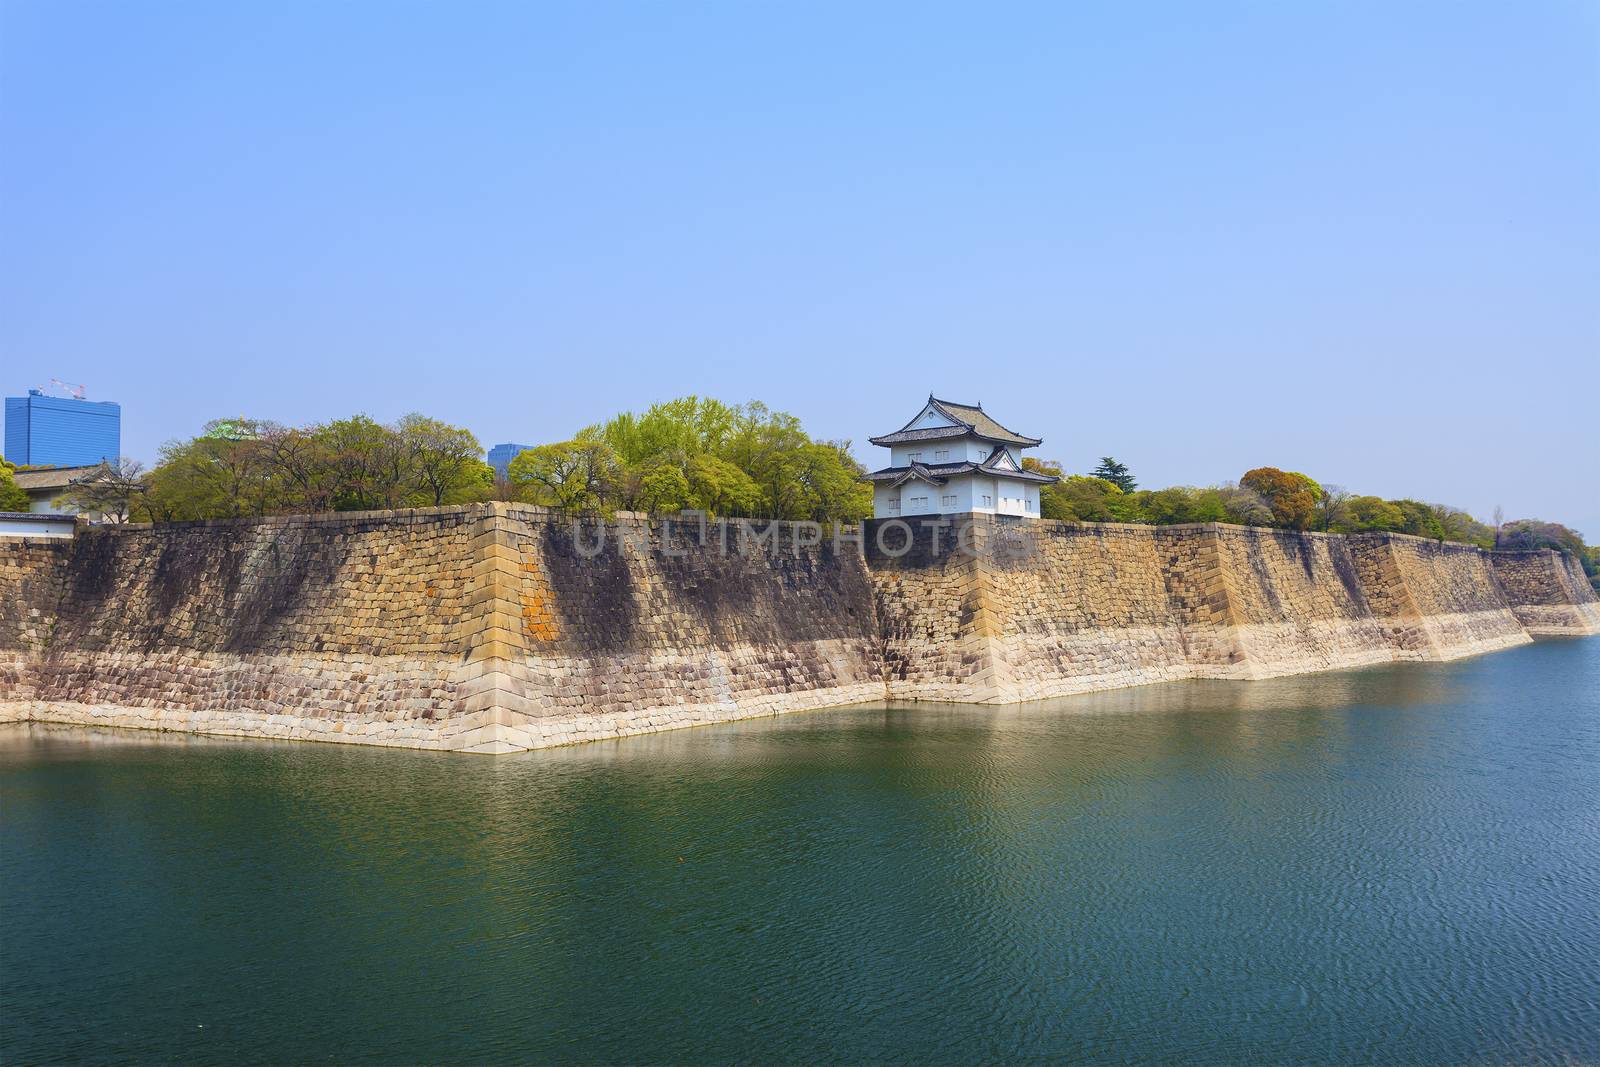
x=500, y=457
x=61, y=432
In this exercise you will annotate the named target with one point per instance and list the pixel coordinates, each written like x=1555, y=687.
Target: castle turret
x=953, y=458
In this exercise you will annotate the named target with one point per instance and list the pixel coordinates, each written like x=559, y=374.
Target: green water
x=1398, y=865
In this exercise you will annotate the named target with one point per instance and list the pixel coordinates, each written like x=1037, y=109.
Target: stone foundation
x=497, y=627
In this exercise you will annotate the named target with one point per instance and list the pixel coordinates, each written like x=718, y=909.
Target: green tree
x=365, y=464
x=834, y=489
x=1086, y=499
x=663, y=487
x=444, y=463
x=1371, y=513
x=577, y=474
x=1178, y=504
x=1115, y=473
x=12, y=496
x=1457, y=525
x=721, y=488
x=1418, y=519
x=213, y=476
x=1052, y=498
x=1525, y=534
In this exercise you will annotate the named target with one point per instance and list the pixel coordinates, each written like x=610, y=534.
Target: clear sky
x=1361, y=240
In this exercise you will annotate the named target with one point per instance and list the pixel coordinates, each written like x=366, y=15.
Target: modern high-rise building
x=500, y=457
x=61, y=431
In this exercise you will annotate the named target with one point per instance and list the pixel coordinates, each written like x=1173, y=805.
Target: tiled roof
x=983, y=425
x=972, y=421
x=925, y=433
x=51, y=477
x=939, y=473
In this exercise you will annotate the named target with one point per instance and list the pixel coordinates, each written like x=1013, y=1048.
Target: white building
x=952, y=458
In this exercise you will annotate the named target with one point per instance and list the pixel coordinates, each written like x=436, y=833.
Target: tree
x=1115, y=473
x=721, y=488
x=1175, y=505
x=1457, y=525
x=1419, y=519
x=1086, y=499
x=1291, y=496
x=213, y=476
x=365, y=464
x=445, y=462
x=1333, y=502
x=1052, y=500
x=109, y=493
x=12, y=496
x=1371, y=513
x=575, y=474
x=662, y=487
x=1525, y=534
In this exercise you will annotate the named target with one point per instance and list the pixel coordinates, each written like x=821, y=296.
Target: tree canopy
x=695, y=452
x=12, y=496
x=240, y=467
x=1268, y=496
x=1115, y=473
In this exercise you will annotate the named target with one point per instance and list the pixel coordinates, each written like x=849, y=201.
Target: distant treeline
x=242, y=467
x=744, y=461
x=730, y=460
x=1267, y=496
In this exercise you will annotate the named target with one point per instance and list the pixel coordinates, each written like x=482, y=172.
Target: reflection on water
x=1395, y=864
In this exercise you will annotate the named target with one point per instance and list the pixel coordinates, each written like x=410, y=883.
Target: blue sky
x=1360, y=240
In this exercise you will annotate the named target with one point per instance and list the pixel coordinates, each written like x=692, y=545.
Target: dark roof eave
x=940, y=433
x=889, y=474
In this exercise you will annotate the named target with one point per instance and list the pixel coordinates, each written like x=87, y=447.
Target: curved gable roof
x=965, y=418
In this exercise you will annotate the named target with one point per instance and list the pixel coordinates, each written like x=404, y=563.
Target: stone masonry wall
x=1296, y=604
x=1046, y=609
x=335, y=627
x=483, y=628
x=499, y=627
x=657, y=625
x=1435, y=600
x=31, y=572
x=1548, y=592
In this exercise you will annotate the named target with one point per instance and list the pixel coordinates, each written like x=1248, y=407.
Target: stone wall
x=333, y=627
x=1295, y=603
x=1548, y=592
x=1435, y=600
x=483, y=628
x=1046, y=609
x=657, y=625
x=31, y=572
x=499, y=627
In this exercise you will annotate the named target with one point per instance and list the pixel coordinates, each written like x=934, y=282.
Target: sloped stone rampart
x=499, y=627
x=1046, y=609
x=1548, y=592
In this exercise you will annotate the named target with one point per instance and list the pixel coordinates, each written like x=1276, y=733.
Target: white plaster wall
x=920, y=498
x=885, y=502
x=66, y=526
x=952, y=451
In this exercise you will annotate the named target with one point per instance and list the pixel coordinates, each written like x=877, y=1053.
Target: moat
x=1396, y=864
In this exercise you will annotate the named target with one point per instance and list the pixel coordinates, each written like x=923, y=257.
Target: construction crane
x=74, y=391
